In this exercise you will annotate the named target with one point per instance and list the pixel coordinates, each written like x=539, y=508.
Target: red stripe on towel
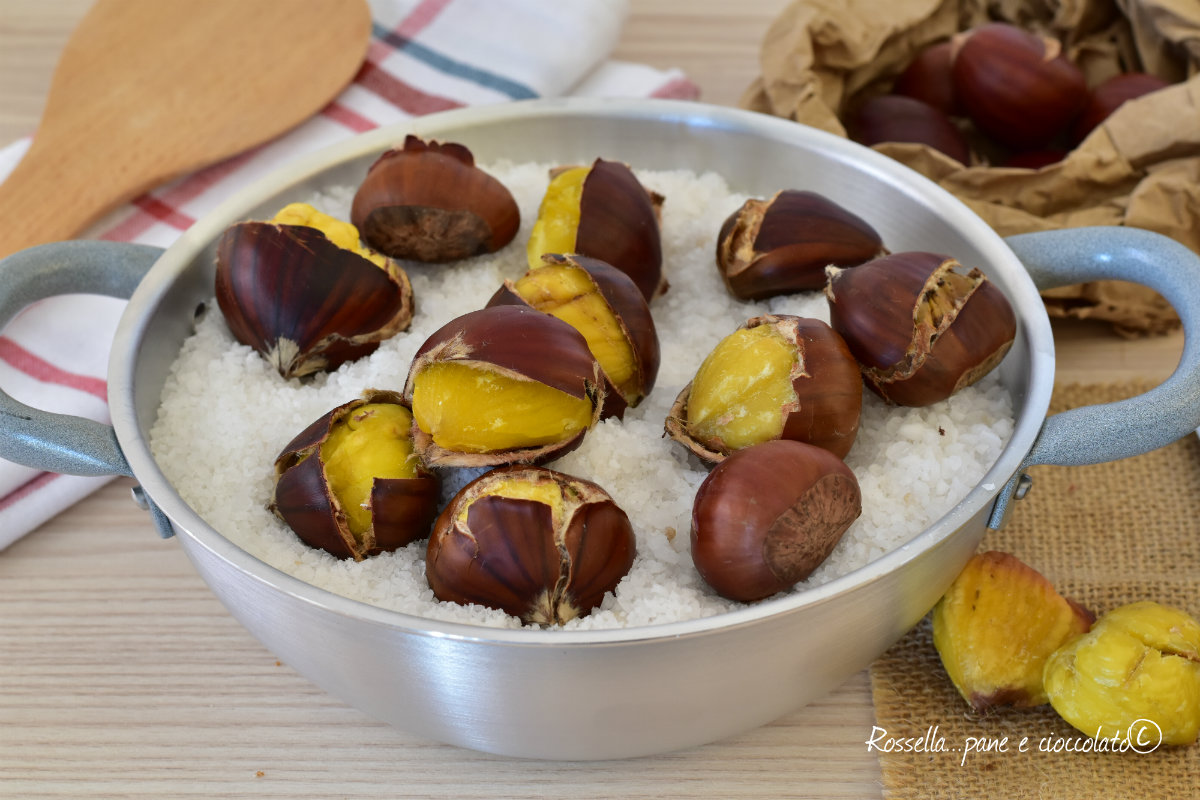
x=400, y=94
x=26, y=489
x=348, y=118
x=421, y=16
x=40, y=369
x=677, y=89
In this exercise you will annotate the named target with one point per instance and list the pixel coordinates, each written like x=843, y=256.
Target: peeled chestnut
x=427, y=201
x=929, y=77
x=892, y=118
x=1017, y=87
x=301, y=291
x=350, y=484
x=767, y=516
x=606, y=306
x=1111, y=95
x=502, y=385
x=921, y=325
x=532, y=542
x=782, y=245
x=777, y=376
x=603, y=212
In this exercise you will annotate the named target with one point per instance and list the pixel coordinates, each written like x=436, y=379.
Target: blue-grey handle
x=1166, y=413
x=58, y=442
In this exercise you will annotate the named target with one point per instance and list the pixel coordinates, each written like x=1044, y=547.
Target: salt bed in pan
x=226, y=414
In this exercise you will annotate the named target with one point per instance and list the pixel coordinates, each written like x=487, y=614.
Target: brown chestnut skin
x=826, y=381
x=929, y=77
x=1112, y=94
x=427, y=201
x=517, y=555
x=1035, y=159
x=892, y=118
x=304, y=303
x=1017, y=87
x=519, y=342
x=921, y=325
x=767, y=516
x=618, y=224
x=633, y=315
x=402, y=510
x=783, y=244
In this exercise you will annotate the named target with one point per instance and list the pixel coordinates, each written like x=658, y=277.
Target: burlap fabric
x=1105, y=535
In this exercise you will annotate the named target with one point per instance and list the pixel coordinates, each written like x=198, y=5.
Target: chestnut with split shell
x=603, y=212
x=767, y=516
x=427, y=201
x=350, y=484
x=502, y=385
x=921, y=325
x=537, y=544
x=783, y=244
x=301, y=291
x=777, y=376
x=606, y=306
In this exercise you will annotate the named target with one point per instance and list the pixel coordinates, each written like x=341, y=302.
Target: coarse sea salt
x=225, y=415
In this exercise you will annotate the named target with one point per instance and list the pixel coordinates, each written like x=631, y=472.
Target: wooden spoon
x=147, y=91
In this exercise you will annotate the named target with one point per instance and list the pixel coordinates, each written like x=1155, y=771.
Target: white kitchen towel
x=424, y=56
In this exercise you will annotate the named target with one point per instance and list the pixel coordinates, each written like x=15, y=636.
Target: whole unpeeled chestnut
x=301, y=291
x=537, y=544
x=350, y=484
x=783, y=244
x=502, y=385
x=929, y=77
x=606, y=306
x=427, y=201
x=1018, y=88
x=892, y=118
x=1112, y=94
x=767, y=516
x=777, y=376
x=921, y=325
x=603, y=212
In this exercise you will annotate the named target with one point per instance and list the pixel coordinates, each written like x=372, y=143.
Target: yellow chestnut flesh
x=740, y=390
x=558, y=216
x=341, y=233
x=469, y=409
x=372, y=442
x=565, y=291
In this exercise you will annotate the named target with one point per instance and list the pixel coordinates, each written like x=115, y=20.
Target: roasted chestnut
x=350, y=484
x=767, y=516
x=1111, y=95
x=782, y=245
x=502, y=385
x=1017, y=87
x=892, y=118
x=301, y=291
x=605, y=305
x=602, y=211
x=929, y=77
x=532, y=542
x=921, y=325
x=427, y=201
x=777, y=376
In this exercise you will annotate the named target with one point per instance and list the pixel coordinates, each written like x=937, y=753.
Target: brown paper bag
x=1140, y=168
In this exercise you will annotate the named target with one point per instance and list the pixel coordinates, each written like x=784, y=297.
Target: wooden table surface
x=121, y=675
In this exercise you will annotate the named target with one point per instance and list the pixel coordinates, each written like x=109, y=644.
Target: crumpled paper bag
x=1140, y=168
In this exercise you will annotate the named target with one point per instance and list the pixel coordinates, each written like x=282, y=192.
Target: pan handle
x=60, y=442
x=1166, y=413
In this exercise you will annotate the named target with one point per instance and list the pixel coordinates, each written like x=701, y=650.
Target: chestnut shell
x=768, y=515
x=828, y=390
x=519, y=342
x=427, y=201
x=512, y=555
x=402, y=509
x=783, y=244
x=632, y=313
x=303, y=302
x=893, y=118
